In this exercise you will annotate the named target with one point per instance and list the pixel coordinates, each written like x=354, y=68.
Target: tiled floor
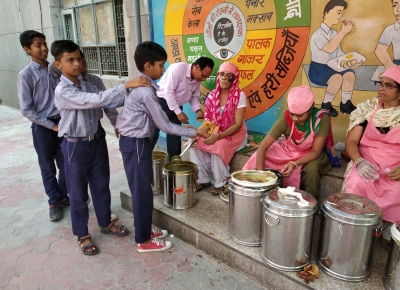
x=38, y=254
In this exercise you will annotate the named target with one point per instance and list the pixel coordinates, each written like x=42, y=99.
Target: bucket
x=287, y=230
x=350, y=226
x=159, y=158
x=245, y=213
x=391, y=281
x=180, y=188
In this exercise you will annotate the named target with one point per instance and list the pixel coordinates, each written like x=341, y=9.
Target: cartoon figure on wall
x=390, y=36
x=331, y=67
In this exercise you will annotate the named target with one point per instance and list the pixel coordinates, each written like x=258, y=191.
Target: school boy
x=136, y=123
x=36, y=100
x=82, y=148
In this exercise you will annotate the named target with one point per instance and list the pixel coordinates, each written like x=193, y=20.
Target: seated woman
x=300, y=155
x=373, y=144
x=225, y=107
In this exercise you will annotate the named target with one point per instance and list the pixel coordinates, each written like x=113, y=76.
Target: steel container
x=391, y=281
x=350, y=226
x=159, y=159
x=245, y=213
x=287, y=230
x=180, y=189
x=279, y=182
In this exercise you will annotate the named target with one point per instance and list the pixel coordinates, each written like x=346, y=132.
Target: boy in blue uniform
x=82, y=148
x=136, y=124
x=36, y=100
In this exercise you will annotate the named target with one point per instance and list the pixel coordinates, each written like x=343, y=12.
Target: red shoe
x=158, y=234
x=155, y=245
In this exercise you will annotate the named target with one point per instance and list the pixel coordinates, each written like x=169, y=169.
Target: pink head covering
x=228, y=66
x=393, y=73
x=300, y=99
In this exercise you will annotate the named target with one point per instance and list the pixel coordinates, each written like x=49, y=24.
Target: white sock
x=346, y=96
x=328, y=97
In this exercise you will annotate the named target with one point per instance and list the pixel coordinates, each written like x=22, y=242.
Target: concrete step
x=205, y=226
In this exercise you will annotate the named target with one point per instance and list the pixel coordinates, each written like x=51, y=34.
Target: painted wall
x=271, y=42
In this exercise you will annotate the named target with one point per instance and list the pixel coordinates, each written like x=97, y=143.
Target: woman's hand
x=367, y=171
x=212, y=139
x=288, y=169
x=394, y=174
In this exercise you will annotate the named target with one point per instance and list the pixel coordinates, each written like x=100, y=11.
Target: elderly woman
x=225, y=107
x=373, y=144
x=300, y=156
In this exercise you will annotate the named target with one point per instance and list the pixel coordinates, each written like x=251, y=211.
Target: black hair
x=82, y=54
x=149, y=51
x=333, y=3
x=26, y=37
x=58, y=47
x=203, y=62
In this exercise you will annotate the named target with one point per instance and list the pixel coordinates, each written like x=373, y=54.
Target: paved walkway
x=38, y=254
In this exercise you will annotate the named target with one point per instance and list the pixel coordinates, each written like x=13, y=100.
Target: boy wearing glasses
x=179, y=85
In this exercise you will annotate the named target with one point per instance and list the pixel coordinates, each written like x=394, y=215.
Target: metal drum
x=279, y=182
x=391, y=281
x=159, y=159
x=180, y=189
x=350, y=226
x=287, y=230
x=245, y=213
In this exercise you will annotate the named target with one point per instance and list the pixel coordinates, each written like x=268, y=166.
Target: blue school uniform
x=36, y=87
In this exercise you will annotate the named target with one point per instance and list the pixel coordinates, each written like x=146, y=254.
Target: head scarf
x=393, y=73
x=300, y=99
x=227, y=118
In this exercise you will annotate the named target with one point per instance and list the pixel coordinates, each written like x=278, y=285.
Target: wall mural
x=267, y=40
x=338, y=48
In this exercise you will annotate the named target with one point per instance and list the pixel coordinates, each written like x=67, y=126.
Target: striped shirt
x=78, y=106
x=177, y=87
x=36, y=94
x=112, y=114
x=142, y=113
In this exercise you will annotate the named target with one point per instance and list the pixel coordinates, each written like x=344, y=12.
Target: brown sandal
x=87, y=249
x=217, y=191
x=121, y=230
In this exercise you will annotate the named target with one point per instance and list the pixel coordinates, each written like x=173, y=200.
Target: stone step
x=205, y=226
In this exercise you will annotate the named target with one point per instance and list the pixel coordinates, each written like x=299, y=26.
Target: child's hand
x=141, y=81
x=203, y=132
x=55, y=128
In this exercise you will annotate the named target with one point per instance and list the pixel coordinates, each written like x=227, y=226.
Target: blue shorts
x=396, y=61
x=320, y=73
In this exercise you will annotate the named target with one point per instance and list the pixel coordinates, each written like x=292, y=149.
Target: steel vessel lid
x=286, y=205
x=248, y=191
x=352, y=209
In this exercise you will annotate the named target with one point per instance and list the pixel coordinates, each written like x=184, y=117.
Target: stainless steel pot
x=350, y=226
x=180, y=189
x=391, y=281
x=287, y=230
x=159, y=159
x=279, y=182
x=245, y=213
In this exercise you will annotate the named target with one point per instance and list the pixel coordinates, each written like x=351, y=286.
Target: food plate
x=345, y=61
x=375, y=76
x=254, y=178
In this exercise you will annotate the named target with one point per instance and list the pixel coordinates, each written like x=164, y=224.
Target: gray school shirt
x=142, y=113
x=78, y=106
x=36, y=87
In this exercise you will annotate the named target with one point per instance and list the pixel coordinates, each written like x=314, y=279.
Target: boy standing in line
x=136, y=123
x=82, y=148
x=36, y=100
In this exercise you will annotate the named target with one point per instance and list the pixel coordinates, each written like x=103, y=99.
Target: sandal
x=121, y=231
x=201, y=186
x=224, y=190
x=87, y=249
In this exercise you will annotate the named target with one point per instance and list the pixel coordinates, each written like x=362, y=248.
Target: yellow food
x=342, y=63
x=353, y=62
x=212, y=128
x=348, y=63
x=349, y=56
